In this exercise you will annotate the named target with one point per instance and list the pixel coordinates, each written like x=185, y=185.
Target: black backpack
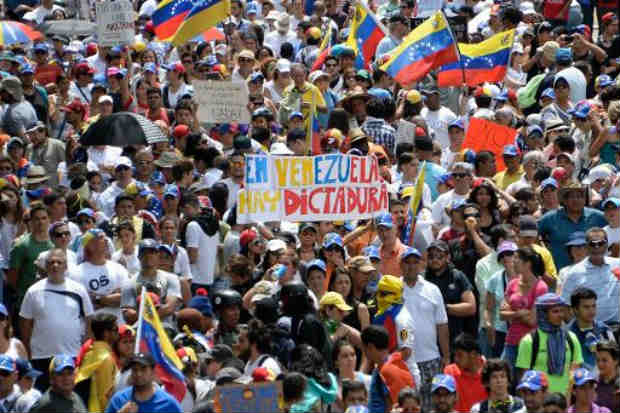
x=536, y=346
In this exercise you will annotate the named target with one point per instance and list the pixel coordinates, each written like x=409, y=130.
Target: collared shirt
x=599, y=278
x=555, y=227
x=381, y=133
x=503, y=179
x=390, y=259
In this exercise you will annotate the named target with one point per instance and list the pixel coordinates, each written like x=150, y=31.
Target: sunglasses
x=62, y=234
x=597, y=244
x=460, y=175
x=474, y=215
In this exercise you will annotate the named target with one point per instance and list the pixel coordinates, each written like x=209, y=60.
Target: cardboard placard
x=484, y=135
x=252, y=398
x=115, y=23
x=311, y=188
x=221, y=101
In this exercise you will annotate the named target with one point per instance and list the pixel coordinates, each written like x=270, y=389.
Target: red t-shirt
x=518, y=301
x=552, y=8
x=162, y=115
x=469, y=387
x=48, y=73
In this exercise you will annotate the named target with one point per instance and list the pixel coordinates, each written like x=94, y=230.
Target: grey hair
x=463, y=165
x=533, y=156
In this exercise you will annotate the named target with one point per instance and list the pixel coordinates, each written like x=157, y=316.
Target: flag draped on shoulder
x=152, y=338
x=482, y=62
x=365, y=34
x=428, y=46
x=178, y=21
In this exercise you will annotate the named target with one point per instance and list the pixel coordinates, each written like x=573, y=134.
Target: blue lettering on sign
x=256, y=169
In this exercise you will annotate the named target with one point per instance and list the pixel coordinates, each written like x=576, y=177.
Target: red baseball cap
x=84, y=69
x=180, y=131
x=149, y=27
x=175, y=67
x=247, y=236
x=609, y=17
x=420, y=131
x=91, y=49
x=75, y=106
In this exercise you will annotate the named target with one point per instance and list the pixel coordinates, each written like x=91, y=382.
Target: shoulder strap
x=535, y=346
x=571, y=347
x=165, y=96
x=73, y=295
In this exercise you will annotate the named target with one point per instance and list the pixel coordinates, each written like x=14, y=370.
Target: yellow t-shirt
x=550, y=269
x=502, y=179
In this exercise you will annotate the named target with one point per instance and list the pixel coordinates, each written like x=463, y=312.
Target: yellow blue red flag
x=365, y=34
x=486, y=61
x=178, y=21
x=153, y=339
x=428, y=46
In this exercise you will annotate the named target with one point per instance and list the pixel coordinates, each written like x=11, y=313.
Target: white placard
x=221, y=101
x=115, y=23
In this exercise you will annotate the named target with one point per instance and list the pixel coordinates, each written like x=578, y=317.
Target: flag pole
x=310, y=124
x=140, y=317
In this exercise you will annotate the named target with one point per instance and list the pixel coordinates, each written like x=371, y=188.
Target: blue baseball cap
x=581, y=109
x=576, y=239
x=614, y=201
x=583, y=376
x=534, y=129
x=548, y=93
x=533, y=380
x=385, y=220
x=26, y=69
x=202, y=304
x=158, y=178
x=171, y=190
x=61, y=362
x=256, y=76
x=380, y=93
x=86, y=211
x=7, y=363
x=457, y=204
x=510, y=150
x=457, y=123
x=317, y=263
x=41, y=47
x=332, y=239
x=25, y=369
x=549, y=182
x=408, y=252
x=150, y=67
x=604, y=81
x=372, y=251
x=251, y=8
x=3, y=310
x=296, y=115
x=443, y=381
x=564, y=55
x=502, y=97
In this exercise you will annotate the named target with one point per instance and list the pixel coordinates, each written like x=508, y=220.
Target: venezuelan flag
x=168, y=17
x=365, y=35
x=324, y=49
x=203, y=15
x=153, y=339
x=387, y=319
x=486, y=61
x=428, y=46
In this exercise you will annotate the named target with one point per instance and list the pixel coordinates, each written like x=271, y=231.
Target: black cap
x=423, y=143
x=242, y=142
x=397, y=17
x=440, y=245
x=296, y=134
x=142, y=358
x=219, y=353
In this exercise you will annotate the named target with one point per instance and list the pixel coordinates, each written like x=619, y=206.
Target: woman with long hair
x=608, y=365
x=11, y=219
x=169, y=228
x=483, y=194
x=342, y=283
x=321, y=387
x=345, y=361
x=521, y=293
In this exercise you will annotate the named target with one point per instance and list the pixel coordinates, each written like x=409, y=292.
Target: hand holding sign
x=484, y=135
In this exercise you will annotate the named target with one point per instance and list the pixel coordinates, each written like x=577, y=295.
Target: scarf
x=556, y=335
x=394, y=285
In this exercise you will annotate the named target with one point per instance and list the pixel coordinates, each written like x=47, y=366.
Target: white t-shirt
x=426, y=306
x=613, y=235
x=174, y=97
x=102, y=280
x=182, y=267
x=204, y=268
x=443, y=201
x=130, y=262
x=405, y=332
x=233, y=190
x=438, y=122
x=59, y=327
x=267, y=362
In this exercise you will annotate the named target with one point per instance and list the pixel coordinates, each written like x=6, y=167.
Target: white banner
x=115, y=23
x=221, y=101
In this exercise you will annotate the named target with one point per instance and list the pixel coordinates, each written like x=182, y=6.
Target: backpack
x=536, y=346
x=526, y=96
x=282, y=346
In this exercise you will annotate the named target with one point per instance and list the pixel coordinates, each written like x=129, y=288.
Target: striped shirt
x=381, y=133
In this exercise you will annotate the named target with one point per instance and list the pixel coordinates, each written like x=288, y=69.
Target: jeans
x=486, y=349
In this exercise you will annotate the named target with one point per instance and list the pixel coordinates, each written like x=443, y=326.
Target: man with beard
x=144, y=395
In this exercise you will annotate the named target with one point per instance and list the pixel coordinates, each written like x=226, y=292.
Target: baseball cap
x=316, y=263
x=528, y=226
x=335, y=299
x=564, y=55
x=581, y=109
x=604, y=81
x=275, y=245
x=61, y=362
x=362, y=263
x=150, y=67
x=440, y=245
x=26, y=69
x=7, y=363
x=175, y=67
x=611, y=201
x=256, y=76
x=576, y=239
x=41, y=47
x=307, y=225
x=457, y=204
x=3, y=310
x=123, y=161
x=548, y=93
x=144, y=359
x=533, y=380
x=549, y=182
x=567, y=155
x=443, y=381
x=202, y=304
x=372, y=252
x=408, y=252
x=385, y=220
x=86, y=211
x=283, y=66
x=457, y=123
x=332, y=239
x=295, y=115
x=583, y=376
x=510, y=150
x=84, y=69
x=106, y=98
x=25, y=369
x=413, y=96
x=534, y=129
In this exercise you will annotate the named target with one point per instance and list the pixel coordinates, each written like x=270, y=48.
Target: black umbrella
x=122, y=129
x=70, y=27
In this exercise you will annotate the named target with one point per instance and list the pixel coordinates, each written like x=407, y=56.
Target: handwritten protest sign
x=311, y=188
x=251, y=398
x=221, y=101
x=115, y=22
x=483, y=134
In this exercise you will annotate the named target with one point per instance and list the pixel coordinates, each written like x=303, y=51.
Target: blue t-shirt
x=378, y=393
x=161, y=402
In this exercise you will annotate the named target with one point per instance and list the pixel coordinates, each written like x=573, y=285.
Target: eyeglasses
x=460, y=175
x=62, y=234
x=245, y=60
x=597, y=244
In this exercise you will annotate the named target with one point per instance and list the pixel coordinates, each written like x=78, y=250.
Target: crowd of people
x=499, y=293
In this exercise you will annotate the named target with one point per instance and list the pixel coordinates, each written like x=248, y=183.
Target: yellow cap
x=390, y=283
x=139, y=47
x=413, y=96
x=334, y=298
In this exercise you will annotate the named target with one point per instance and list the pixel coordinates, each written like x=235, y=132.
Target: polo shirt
x=555, y=227
x=601, y=279
x=390, y=259
x=503, y=179
x=557, y=384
